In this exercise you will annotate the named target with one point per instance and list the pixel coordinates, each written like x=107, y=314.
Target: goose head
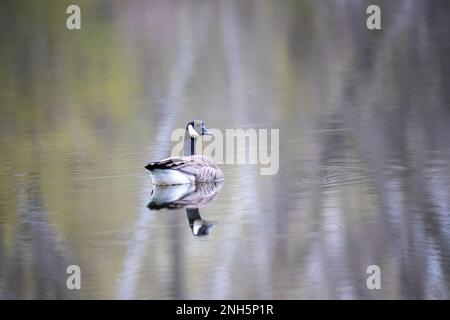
x=197, y=128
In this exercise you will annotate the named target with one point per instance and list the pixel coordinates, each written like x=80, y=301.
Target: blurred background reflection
x=364, y=120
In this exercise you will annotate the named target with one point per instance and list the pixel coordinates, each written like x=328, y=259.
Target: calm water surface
x=364, y=177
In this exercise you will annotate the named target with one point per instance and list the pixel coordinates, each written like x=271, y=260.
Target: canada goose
x=189, y=169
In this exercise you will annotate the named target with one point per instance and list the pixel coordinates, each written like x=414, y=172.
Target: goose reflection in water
x=189, y=196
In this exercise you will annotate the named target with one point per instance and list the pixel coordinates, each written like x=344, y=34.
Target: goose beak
x=205, y=132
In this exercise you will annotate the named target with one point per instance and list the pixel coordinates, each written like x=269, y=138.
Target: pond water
x=364, y=172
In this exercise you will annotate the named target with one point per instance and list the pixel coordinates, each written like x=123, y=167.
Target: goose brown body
x=190, y=168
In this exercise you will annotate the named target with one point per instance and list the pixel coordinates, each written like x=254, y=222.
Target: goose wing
x=168, y=163
x=202, y=167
